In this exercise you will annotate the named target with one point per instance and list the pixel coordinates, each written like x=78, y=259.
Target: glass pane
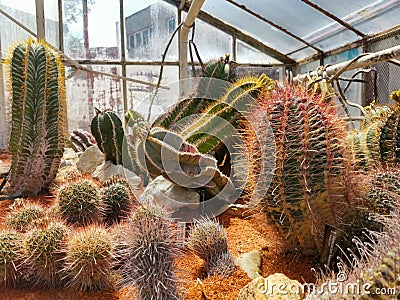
x=139, y=95
x=272, y=72
x=148, y=30
x=51, y=22
x=303, y=53
x=211, y=42
x=96, y=40
x=87, y=90
x=252, y=26
x=247, y=54
x=308, y=67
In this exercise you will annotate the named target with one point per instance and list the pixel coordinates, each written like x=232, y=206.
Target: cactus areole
x=107, y=129
x=37, y=92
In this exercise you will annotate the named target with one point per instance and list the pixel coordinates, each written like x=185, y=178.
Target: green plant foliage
x=79, y=202
x=207, y=239
x=149, y=253
x=38, y=133
x=89, y=259
x=108, y=131
x=44, y=251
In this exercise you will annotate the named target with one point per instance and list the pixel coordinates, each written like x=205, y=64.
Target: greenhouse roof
x=292, y=30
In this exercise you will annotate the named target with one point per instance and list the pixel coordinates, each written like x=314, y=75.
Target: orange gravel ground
x=253, y=232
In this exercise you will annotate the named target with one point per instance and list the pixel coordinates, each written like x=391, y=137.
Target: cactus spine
x=208, y=240
x=11, y=246
x=37, y=91
x=148, y=256
x=309, y=183
x=107, y=129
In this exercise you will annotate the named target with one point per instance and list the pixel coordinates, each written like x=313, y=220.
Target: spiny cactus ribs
x=37, y=92
x=11, y=245
x=108, y=131
x=309, y=186
x=116, y=198
x=25, y=217
x=207, y=239
x=149, y=254
x=79, y=202
x=44, y=251
x=89, y=259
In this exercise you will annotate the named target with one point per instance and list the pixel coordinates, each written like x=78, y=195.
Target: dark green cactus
x=108, y=131
x=37, y=91
x=309, y=187
x=116, y=198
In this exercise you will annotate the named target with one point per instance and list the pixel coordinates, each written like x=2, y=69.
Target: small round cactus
x=116, y=197
x=10, y=257
x=208, y=240
x=44, y=251
x=79, y=202
x=148, y=256
x=89, y=259
x=25, y=216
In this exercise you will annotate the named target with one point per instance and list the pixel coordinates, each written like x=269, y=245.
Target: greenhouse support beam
x=40, y=27
x=280, y=28
x=184, y=36
x=363, y=61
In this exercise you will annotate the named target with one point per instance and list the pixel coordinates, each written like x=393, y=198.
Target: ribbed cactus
x=11, y=245
x=151, y=245
x=82, y=139
x=116, y=198
x=37, y=92
x=25, y=217
x=108, y=131
x=208, y=240
x=44, y=250
x=309, y=187
x=377, y=142
x=206, y=92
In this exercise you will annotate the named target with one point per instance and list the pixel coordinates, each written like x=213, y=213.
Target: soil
x=245, y=231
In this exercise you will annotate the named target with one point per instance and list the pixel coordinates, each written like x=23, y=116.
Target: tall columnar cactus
x=309, y=187
x=37, y=92
x=151, y=246
x=108, y=131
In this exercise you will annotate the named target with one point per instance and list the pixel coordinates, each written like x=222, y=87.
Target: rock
x=108, y=169
x=70, y=157
x=250, y=263
x=171, y=196
x=4, y=169
x=90, y=160
x=274, y=287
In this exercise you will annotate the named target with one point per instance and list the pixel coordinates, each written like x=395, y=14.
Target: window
x=171, y=25
x=138, y=39
x=132, y=41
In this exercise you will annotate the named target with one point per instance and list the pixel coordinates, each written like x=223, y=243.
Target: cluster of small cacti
x=37, y=92
x=148, y=254
x=79, y=202
x=208, y=240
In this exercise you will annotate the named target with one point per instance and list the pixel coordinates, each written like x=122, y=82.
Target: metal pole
x=184, y=36
x=40, y=27
x=363, y=61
